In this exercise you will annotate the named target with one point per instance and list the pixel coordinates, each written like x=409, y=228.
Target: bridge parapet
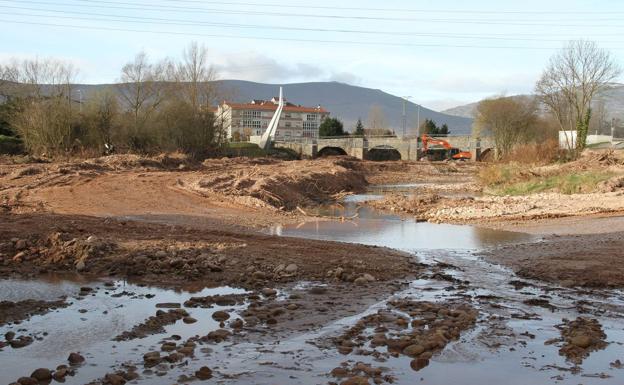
x=360, y=147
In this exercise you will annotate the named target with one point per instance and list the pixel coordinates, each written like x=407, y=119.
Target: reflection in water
x=366, y=226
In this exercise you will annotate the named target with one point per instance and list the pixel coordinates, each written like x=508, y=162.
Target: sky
x=440, y=53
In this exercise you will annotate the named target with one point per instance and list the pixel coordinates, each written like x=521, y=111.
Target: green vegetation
x=431, y=128
x=157, y=107
x=332, y=127
x=359, y=128
x=512, y=179
x=10, y=145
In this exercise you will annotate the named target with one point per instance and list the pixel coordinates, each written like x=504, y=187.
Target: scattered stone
x=189, y=320
x=59, y=374
x=356, y=380
x=27, y=381
x=413, y=350
x=20, y=342
x=291, y=269
x=168, y=305
x=268, y=292
x=151, y=359
x=114, y=379
x=220, y=316
x=237, y=324
x=75, y=359
x=340, y=372
x=218, y=335
x=42, y=374
x=80, y=266
x=419, y=363
x=204, y=373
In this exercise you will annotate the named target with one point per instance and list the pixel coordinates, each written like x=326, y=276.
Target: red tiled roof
x=273, y=107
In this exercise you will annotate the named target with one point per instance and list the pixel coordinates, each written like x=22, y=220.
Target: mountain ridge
x=344, y=101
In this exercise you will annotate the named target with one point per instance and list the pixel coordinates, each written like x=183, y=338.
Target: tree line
x=156, y=106
x=564, y=101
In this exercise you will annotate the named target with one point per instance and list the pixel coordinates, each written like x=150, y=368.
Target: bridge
x=384, y=146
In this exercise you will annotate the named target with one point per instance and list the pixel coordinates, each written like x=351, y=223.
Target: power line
x=181, y=22
x=410, y=10
x=159, y=8
x=283, y=39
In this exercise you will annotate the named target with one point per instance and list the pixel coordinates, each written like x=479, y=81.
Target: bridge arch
x=331, y=151
x=383, y=152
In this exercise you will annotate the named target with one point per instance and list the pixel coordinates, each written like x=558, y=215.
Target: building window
x=311, y=117
x=310, y=129
x=288, y=115
x=287, y=124
x=252, y=114
x=251, y=123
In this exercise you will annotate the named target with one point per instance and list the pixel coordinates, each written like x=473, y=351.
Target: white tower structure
x=269, y=134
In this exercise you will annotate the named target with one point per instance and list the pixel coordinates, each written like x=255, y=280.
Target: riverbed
x=507, y=344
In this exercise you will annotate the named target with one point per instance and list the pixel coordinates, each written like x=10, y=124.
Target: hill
x=346, y=102
x=612, y=100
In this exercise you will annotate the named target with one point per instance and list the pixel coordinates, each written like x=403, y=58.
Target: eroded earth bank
x=160, y=270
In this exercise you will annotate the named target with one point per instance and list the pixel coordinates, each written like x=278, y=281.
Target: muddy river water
x=507, y=346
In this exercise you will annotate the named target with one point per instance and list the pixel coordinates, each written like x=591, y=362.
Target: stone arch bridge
x=363, y=148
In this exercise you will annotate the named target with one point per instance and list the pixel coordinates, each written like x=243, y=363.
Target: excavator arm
x=451, y=152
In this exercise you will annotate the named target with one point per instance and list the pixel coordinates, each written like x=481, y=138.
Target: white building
x=242, y=120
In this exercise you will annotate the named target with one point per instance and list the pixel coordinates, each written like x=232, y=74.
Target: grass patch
x=517, y=179
x=575, y=183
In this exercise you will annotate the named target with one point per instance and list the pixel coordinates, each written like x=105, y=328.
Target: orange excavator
x=446, y=152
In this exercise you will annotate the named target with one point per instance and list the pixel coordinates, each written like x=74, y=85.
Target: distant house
x=242, y=120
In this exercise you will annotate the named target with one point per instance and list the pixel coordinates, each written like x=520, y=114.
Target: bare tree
x=376, y=120
x=44, y=90
x=572, y=79
x=142, y=89
x=196, y=75
x=508, y=119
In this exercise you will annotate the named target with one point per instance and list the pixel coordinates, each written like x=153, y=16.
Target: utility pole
x=418, y=122
x=405, y=99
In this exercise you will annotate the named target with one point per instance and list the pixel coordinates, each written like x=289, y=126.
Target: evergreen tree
x=331, y=127
x=359, y=128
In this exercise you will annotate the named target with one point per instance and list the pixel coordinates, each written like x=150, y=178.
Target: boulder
x=220, y=316
x=204, y=373
x=75, y=358
x=42, y=374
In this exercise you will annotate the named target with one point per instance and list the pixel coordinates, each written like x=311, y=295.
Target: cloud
x=261, y=68
x=345, y=77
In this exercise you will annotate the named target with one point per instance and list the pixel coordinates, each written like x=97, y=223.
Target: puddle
x=109, y=312
x=367, y=226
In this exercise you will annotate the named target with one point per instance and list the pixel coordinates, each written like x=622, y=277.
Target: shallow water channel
x=503, y=348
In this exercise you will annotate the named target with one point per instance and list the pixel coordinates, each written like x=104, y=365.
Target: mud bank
x=588, y=260
x=172, y=255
